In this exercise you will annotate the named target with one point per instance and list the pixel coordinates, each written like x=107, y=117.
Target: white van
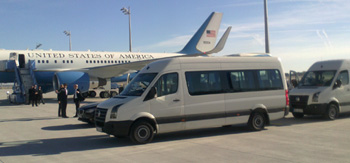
x=323, y=90
x=196, y=92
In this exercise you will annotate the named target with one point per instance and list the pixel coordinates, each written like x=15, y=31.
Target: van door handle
x=176, y=100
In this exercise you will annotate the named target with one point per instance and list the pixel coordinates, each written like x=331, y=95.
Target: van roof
x=330, y=64
x=222, y=59
x=163, y=63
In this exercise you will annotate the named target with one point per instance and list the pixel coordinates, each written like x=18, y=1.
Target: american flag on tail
x=211, y=33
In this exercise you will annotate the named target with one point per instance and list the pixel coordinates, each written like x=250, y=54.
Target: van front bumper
x=118, y=128
x=313, y=109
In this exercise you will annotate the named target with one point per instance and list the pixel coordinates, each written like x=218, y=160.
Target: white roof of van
x=329, y=64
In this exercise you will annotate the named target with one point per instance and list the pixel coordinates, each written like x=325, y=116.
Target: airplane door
x=21, y=60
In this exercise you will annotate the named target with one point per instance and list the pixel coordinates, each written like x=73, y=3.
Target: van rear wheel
x=256, y=121
x=141, y=132
x=332, y=112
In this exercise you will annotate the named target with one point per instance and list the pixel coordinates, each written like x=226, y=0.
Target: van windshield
x=318, y=78
x=138, y=85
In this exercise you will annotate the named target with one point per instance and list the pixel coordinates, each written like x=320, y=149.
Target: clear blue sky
x=301, y=31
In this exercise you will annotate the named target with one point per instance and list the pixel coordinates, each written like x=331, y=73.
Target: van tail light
x=287, y=98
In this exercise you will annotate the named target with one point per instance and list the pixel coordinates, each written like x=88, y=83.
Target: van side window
x=344, y=77
x=242, y=81
x=167, y=84
x=200, y=83
x=269, y=79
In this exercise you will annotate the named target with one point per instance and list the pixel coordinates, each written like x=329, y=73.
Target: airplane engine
x=71, y=78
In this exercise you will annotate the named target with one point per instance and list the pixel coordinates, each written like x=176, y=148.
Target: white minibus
x=196, y=92
x=323, y=90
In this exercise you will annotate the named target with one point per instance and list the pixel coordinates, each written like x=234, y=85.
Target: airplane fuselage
x=47, y=63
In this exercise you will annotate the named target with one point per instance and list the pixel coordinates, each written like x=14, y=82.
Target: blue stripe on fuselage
x=7, y=77
x=44, y=79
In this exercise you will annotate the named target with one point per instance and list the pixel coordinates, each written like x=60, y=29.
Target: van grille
x=100, y=116
x=298, y=101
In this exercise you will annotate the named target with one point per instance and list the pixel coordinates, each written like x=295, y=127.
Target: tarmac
x=37, y=134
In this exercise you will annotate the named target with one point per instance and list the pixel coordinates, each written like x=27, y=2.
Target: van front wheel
x=332, y=112
x=256, y=121
x=142, y=132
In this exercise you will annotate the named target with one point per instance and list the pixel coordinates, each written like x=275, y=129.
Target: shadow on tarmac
x=68, y=127
x=290, y=120
x=28, y=119
x=59, y=145
x=62, y=145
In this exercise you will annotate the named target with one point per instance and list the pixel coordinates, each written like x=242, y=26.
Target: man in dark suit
x=62, y=100
x=58, y=99
x=40, y=96
x=77, y=97
x=30, y=93
x=33, y=95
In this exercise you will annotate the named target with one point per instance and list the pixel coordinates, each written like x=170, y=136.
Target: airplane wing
x=110, y=71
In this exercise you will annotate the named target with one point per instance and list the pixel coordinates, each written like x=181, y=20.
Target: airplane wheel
x=92, y=93
x=113, y=93
x=85, y=94
x=104, y=94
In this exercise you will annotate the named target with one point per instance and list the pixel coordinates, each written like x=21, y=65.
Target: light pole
x=267, y=41
x=70, y=44
x=126, y=11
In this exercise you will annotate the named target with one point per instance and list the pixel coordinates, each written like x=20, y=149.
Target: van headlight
x=115, y=111
x=315, y=97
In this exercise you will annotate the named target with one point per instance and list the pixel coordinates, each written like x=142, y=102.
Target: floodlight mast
x=267, y=41
x=126, y=11
x=68, y=34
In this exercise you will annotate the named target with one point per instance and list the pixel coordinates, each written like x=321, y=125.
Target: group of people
x=35, y=95
x=62, y=95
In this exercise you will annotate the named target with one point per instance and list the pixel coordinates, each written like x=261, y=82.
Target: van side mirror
x=151, y=94
x=337, y=84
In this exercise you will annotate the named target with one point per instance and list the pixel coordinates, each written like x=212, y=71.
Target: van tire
x=256, y=121
x=141, y=132
x=298, y=115
x=332, y=112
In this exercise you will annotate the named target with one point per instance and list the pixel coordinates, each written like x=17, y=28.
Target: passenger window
x=38, y=61
x=55, y=61
x=344, y=77
x=47, y=61
x=269, y=79
x=200, y=83
x=63, y=61
x=94, y=61
x=87, y=61
x=167, y=84
x=242, y=81
x=71, y=61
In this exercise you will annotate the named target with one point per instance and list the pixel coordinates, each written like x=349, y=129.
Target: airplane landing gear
x=104, y=94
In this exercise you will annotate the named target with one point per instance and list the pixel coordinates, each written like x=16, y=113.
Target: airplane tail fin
x=221, y=42
x=203, y=41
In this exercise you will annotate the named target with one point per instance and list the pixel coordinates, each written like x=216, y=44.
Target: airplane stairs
x=24, y=80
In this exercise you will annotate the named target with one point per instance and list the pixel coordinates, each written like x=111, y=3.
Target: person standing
x=62, y=100
x=77, y=98
x=33, y=95
x=58, y=99
x=30, y=93
x=40, y=96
